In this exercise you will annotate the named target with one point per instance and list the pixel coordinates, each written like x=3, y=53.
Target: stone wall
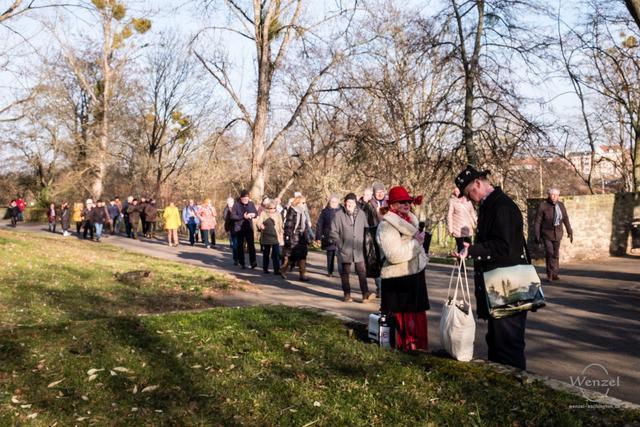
x=601, y=225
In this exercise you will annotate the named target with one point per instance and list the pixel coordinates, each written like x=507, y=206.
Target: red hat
x=400, y=194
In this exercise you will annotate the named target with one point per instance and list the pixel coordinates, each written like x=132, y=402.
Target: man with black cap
x=242, y=214
x=499, y=242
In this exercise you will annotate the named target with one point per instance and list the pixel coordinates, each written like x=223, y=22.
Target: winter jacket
x=273, y=233
x=207, y=215
x=51, y=215
x=171, y=218
x=151, y=212
x=499, y=242
x=543, y=224
x=461, y=217
x=134, y=214
x=77, y=213
x=237, y=216
x=347, y=233
x=403, y=255
x=14, y=211
x=113, y=210
x=323, y=228
x=190, y=213
x=86, y=214
x=228, y=222
x=65, y=218
x=295, y=234
x=99, y=215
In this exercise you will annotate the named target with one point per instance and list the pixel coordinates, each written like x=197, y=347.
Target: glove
x=571, y=238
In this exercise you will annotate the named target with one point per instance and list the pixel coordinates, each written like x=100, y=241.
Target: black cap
x=244, y=193
x=351, y=196
x=465, y=177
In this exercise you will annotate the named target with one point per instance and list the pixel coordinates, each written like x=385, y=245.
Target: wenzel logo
x=595, y=377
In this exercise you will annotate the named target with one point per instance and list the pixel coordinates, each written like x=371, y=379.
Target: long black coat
x=499, y=242
x=323, y=227
x=240, y=224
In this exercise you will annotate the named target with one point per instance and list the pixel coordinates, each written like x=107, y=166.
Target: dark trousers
x=505, y=339
x=14, y=222
x=78, y=227
x=552, y=257
x=133, y=233
x=233, y=243
x=361, y=271
x=331, y=257
x=88, y=228
x=272, y=251
x=52, y=227
x=151, y=228
x=460, y=241
x=127, y=226
x=204, y=235
x=212, y=236
x=192, y=226
x=145, y=224
x=246, y=236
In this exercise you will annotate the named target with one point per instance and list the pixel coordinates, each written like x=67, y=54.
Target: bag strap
x=461, y=268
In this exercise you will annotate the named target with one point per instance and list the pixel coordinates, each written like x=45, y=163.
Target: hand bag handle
x=461, y=267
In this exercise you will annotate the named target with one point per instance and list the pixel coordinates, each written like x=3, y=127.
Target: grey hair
x=553, y=189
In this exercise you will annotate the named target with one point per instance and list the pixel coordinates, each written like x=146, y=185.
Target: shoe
x=276, y=271
x=242, y=266
x=208, y=247
x=265, y=271
x=347, y=298
x=253, y=265
x=235, y=262
x=302, y=265
x=329, y=274
x=368, y=297
x=555, y=277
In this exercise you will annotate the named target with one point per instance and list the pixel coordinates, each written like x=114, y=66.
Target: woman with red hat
x=404, y=286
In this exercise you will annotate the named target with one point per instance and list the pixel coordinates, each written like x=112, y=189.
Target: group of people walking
x=346, y=227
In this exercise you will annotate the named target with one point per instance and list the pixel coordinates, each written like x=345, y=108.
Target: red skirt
x=411, y=331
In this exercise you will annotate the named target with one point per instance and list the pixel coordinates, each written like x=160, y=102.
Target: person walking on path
x=65, y=219
x=76, y=216
x=191, y=220
x=323, y=231
x=52, y=217
x=242, y=214
x=207, y=216
x=22, y=205
x=125, y=215
x=347, y=233
x=372, y=203
x=550, y=216
x=461, y=219
x=99, y=217
x=133, y=212
x=14, y=213
x=151, y=216
x=171, y=218
x=142, y=206
x=499, y=242
x=404, y=286
x=271, y=228
x=115, y=216
x=87, y=225
x=229, y=228
x=296, y=239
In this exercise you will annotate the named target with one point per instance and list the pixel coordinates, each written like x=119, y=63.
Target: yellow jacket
x=77, y=212
x=171, y=217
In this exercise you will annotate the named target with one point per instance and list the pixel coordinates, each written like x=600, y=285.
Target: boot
x=302, y=264
x=284, y=268
x=347, y=297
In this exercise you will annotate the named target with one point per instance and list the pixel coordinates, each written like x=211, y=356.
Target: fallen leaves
x=55, y=383
x=150, y=388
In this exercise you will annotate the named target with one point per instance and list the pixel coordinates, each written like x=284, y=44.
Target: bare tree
x=272, y=26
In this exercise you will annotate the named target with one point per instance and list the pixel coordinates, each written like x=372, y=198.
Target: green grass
x=225, y=366
x=54, y=279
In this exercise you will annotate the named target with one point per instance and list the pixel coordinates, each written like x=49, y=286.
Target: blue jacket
x=185, y=214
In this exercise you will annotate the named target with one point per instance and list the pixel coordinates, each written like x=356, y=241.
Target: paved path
x=592, y=316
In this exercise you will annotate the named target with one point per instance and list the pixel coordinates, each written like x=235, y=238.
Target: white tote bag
x=457, y=325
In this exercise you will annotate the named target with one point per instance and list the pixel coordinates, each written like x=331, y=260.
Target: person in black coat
x=550, y=217
x=499, y=242
x=242, y=215
x=323, y=232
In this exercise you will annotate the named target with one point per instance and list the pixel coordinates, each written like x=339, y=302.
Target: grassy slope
x=250, y=366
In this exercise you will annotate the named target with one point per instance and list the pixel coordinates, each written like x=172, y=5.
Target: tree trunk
x=634, y=10
x=636, y=164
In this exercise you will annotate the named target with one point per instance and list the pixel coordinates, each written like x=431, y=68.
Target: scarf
x=557, y=215
x=401, y=215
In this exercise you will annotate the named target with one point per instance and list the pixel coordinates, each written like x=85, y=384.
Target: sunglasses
x=405, y=202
